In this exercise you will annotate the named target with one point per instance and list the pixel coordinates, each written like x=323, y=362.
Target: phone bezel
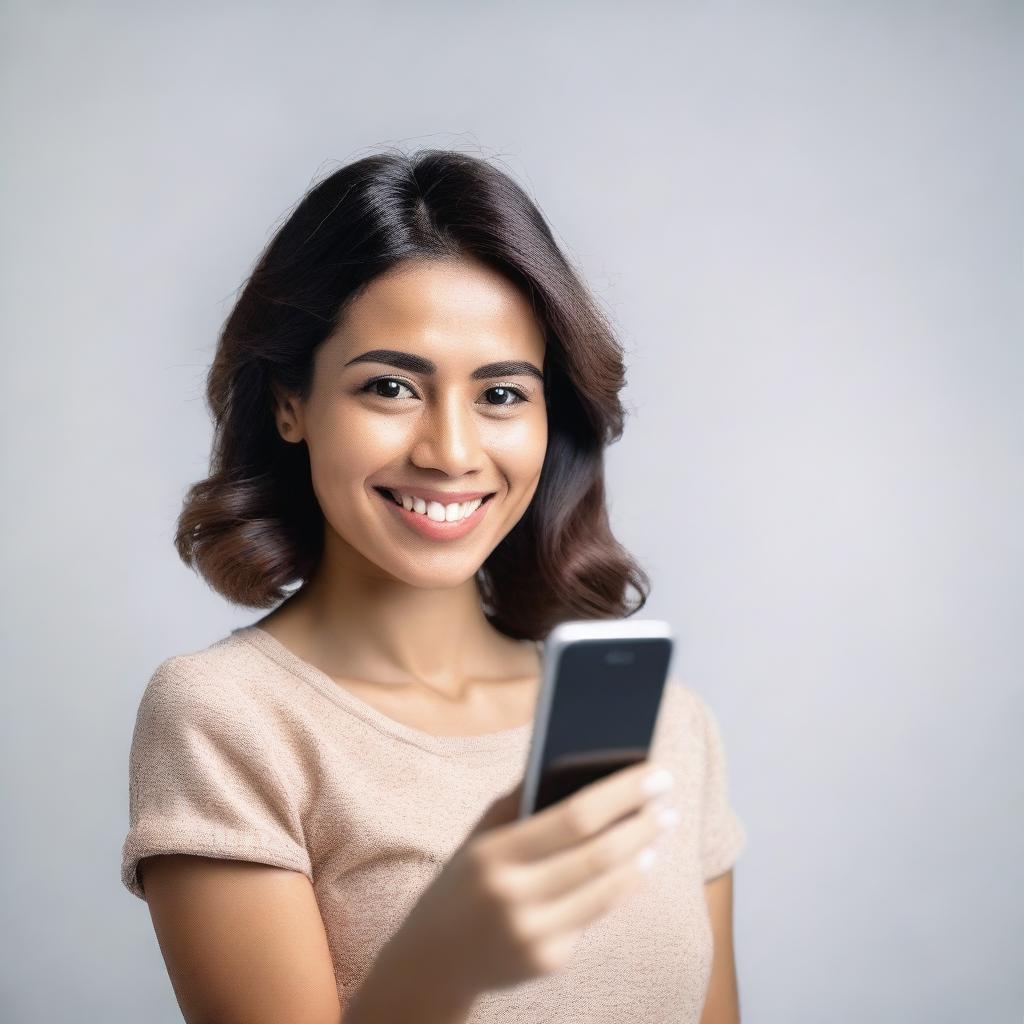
x=564, y=635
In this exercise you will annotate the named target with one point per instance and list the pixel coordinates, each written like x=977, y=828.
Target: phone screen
x=599, y=711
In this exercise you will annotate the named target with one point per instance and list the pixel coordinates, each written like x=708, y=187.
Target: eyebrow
x=427, y=368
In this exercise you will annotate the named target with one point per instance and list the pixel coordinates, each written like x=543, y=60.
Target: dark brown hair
x=254, y=525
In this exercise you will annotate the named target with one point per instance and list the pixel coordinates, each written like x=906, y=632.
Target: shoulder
x=684, y=707
x=223, y=675
x=228, y=695
x=212, y=695
x=182, y=686
x=688, y=727
x=202, y=710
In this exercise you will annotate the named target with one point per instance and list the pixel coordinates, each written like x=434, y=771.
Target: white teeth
x=437, y=512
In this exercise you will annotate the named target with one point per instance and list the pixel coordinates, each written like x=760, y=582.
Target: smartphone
x=600, y=695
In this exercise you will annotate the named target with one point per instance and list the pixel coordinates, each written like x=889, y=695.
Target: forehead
x=442, y=309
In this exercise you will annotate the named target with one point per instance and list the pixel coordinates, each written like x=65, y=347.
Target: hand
x=512, y=901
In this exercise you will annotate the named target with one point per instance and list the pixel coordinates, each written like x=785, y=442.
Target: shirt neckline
x=503, y=739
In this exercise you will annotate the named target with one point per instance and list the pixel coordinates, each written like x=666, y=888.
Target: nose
x=448, y=439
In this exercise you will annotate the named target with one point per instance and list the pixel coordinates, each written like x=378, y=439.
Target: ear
x=287, y=414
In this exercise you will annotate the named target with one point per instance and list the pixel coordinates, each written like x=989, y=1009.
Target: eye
x=383, y=380
x=505, y=389
x=509, y=390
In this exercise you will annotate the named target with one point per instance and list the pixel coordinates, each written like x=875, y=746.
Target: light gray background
x=806, y=221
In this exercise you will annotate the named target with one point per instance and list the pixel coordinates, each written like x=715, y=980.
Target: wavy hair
x=254, y=526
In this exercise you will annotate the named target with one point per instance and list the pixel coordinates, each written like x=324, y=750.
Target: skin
x=722, y=1002
x=393, y=616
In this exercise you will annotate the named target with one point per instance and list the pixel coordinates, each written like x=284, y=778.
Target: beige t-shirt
x=245, y=751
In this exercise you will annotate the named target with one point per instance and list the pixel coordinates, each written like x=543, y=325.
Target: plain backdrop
x=805, y=220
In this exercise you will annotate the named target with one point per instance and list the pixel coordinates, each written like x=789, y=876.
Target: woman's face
x=391, y=421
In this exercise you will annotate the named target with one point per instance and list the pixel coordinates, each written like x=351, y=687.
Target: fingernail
x=660, y=781
x=668, y=817
x=647, y=858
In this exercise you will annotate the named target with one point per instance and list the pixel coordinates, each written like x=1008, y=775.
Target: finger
x=578, y=817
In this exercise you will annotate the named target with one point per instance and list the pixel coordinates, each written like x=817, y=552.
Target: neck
x=355, y=622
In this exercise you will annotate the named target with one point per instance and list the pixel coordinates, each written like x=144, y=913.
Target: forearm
x=403, y=987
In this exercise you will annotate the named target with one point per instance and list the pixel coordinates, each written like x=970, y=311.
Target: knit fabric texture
x=243, y=750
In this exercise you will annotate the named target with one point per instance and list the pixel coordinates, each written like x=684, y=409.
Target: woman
x=412, y=397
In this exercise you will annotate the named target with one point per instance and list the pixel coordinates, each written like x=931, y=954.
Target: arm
x=242, y=942
x=721, y=1005
x=246, y=942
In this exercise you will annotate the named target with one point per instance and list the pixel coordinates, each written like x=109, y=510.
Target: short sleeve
x=202, y=779
x=723, y=835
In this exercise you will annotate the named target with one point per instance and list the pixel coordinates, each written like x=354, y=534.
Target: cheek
x=519, y=446
x=347, y=447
